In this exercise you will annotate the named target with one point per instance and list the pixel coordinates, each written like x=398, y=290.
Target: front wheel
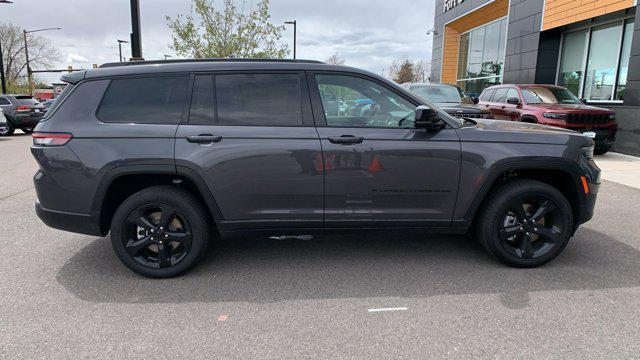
x=28, y=130
x=160, y=232
x=525, y=223
x=7, y=130
x=601, y=150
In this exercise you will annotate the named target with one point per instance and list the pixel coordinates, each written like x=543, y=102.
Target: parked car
x=450, y=98
x=3, y=122
x=165, y=158
x=552, y=105
x=47, y=104
x=22, y=112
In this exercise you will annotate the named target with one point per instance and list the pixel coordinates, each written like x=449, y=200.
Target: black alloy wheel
x=158, y=236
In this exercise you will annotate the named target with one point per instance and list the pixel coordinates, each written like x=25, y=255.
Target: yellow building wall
x=452, y=31
x=564, y=12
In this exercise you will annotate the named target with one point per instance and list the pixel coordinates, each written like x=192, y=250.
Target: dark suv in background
x=552, y=105
x=22, y=112
x=451, y=99
x=165, y=155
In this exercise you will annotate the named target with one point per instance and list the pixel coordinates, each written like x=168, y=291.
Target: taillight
x=51, y=139
x=22, y=108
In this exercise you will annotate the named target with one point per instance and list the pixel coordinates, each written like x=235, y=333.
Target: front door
x=379, y=170
x=251, y=138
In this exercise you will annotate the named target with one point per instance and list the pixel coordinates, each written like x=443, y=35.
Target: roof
x=430, y=84
x=523, y=85
x=202, y=65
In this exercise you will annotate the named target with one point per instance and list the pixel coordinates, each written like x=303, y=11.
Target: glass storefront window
x=624, y=59
x=573, y=47
x=601, y=66
x=594, y=62
x=481, y=56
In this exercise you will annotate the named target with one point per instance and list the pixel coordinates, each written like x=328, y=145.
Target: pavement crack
x=18, y=193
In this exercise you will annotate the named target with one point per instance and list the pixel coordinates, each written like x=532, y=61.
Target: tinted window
x=202, y=101
x=27, y=100
x=512, y=93
x=500, y=95
x=259, y=99
x=4, y=101
x=486, y=95
x=157, y=100
x=549, y=95
x=369, y=103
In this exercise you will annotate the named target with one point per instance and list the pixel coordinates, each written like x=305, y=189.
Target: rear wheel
x=601, y=150
x=7, y=130
x=525, y=223
x=160, y=232
x=28, y=130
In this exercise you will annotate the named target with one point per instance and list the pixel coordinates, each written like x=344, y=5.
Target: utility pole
x=26, y=54
x=120, y=42
x=136, y=46
x=295, y=30
x=2, y=80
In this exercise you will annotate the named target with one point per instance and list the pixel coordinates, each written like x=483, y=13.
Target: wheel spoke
x=507, y=232
x=144, y=223
x=166, y=216
x=183, y=238
x=548, y=235
x=164, y=254
x=544, y=208
x=518, y=209
x=526, y=252
x=133, y=247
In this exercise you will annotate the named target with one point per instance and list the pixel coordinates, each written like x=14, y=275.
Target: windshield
x=549, y=95
x=442, y=94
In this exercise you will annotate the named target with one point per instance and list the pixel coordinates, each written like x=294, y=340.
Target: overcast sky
x=366, y=33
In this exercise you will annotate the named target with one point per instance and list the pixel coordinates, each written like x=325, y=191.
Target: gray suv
x=169, y=155
x=22, y=112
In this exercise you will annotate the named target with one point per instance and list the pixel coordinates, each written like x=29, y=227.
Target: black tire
x=601, y=150
x=193, y=221
x=28, y=130
x=8, y=130
x=507, y=232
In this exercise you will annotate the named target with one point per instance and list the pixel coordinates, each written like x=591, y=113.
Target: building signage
x=450, y=4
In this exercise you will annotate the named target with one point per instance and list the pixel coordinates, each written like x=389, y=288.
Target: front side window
x=144, y=100
x=512, y=93
x=259, y=99
x=548, y=95
x=370, y=104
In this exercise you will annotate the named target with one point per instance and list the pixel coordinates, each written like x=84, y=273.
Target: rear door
x=497, y=105
x=250, y=137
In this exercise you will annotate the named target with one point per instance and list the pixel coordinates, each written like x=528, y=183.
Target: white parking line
x=387, y=309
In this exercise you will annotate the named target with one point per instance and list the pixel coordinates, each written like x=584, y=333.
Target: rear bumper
x=24, y=120
x=78, y=223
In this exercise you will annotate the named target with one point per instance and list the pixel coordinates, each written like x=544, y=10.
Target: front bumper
x=588, y=201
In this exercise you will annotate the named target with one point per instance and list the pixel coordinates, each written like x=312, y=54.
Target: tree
x=42, y=54
x=335, y=59
x=227, y=33
x=401, y=71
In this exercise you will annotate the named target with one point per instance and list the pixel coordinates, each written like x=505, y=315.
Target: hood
x=460, y=108
x=570, y=108
x=513, y=131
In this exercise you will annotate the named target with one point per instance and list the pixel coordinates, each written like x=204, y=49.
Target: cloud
x=366, y=33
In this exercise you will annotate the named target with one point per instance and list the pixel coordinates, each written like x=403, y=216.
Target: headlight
x=555, y=116
x=612, y=116
x=587, y=151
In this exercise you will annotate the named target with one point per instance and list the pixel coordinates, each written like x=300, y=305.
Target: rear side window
x=202, y=102
x=259, y=99
x=4, y=101
x=500, y=95
x=148, y=100
x=486, y=95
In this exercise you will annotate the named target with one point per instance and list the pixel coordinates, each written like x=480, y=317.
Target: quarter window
x=351, y=101
x=4, y=101
x=148, y=100
x=259, y=99
x=202, y=101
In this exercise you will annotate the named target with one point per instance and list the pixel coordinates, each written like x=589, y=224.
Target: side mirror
x=513, y=101
x=427, y=118
x=475, y=99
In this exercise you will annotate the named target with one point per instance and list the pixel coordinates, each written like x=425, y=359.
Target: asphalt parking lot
x=66, y=295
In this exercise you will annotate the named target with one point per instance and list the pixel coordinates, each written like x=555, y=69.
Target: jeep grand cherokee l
x=450, y=98
x=22, y=112
x=552, y=105
x=167, y=155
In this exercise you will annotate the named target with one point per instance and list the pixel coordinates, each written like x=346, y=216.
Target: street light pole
x=136, y=45
x=26, y=53
x=120, y=42
x=295, y=30
x=2, y=80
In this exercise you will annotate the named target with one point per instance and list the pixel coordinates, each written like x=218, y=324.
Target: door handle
x=346, y=139
x=204, y=139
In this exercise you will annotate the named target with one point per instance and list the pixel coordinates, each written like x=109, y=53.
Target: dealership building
x=592, y=47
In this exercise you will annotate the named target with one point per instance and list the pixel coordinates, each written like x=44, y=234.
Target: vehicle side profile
x=168, y=155
x=450, y=98
x=554, y=106
x=22, y=112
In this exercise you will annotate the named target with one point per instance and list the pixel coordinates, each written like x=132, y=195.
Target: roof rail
x=178, y=61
